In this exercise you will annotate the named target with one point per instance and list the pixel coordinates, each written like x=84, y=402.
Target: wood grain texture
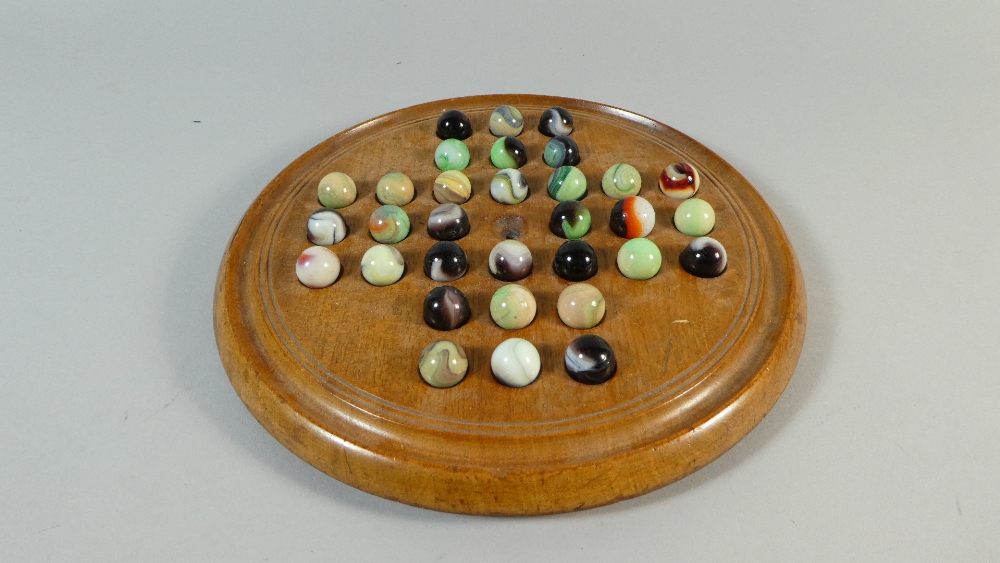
x=332, y=373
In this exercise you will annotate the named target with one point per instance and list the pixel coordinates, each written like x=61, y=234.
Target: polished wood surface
x=332, y=373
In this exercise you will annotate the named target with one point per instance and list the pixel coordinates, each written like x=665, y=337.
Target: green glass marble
x=508, y=152
x=570, y=220
x=337, y=190
x=389, y=224
x=513, y=307
x=443, y=364
x=621, y=181
x=639, y=259
x=567, y=183
x=451, y=154
x=382, y=265
x=694, y=217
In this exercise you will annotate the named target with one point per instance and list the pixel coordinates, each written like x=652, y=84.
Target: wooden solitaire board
x=332, y=373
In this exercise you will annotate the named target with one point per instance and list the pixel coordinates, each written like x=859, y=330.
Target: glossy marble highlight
x=337, y=190
x=326, y=227
x=452, y=187
x=639, y=259
x=570, y=220
x=561, y=151
x=508, y=152
x=555, y=121
x=621, y=180
x=704, y=257
x=581, y=306
x=632, y=217
x=510, y=260
x=395, y=188
x=445, y=261
x=389, y=224
x=448, y=222
x=515, y=362
x=589, y=359
x=317, y=267
x=454, y=124
x=680, y=180
x=513, y=307
x=443, y=364
x=451, y=154
x=382, y=265
x=509, y=186
x=567, y=183
x=506, y=121
x=694, y=217
x=446, y=308
x=575, y=260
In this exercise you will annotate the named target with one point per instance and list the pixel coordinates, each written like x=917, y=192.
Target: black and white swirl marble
x=561, y=151
x=445, y=262
x=510, y=260
x=590, y=359
x=448, y=222
x=704, y=257
x=446, y=308
x=555, y=121
x=326, y=227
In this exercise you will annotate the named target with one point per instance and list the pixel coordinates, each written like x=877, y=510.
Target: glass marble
x=621, y=180
x=680, y=180
x=443, y=364
x=508, y=152
x=632, y=217
x=513, y=307
x=337, y=190
x=589, y=359
x=446, y=308
x=382, y=265
x=694, y=217
x=561, y=151
x=448, y=222
x=581, y=306
x=575, y=260
x=555, y=121
x=317, y=267
x=515, y=362
x=454, y=124
x=445, y=261
x=389, y=224
x=570, y=220
x=451, y=154
x=639, y=259
x=704, y=257
x=395, y=188
x=567, y=183
x=509, y=186
x=326, y=227
x=510, y=260
x=452, y=186
x=506, y=121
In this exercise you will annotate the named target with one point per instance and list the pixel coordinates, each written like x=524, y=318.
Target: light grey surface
x=870, y=128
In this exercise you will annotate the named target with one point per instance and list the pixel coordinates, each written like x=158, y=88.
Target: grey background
x=870, y=128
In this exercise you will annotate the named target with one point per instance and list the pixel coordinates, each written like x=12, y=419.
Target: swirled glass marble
x=443, y=364
x=513, y=307
x=570, y=220
x=555, y=121
x=445, y=261
x=448, y=222
x=694, y=217
x=506, y=121
x=509, y=186
x=561, y=151
x=567, y=183
x=581, y=306
x=508, y=152
x=704, y=257
x=510, y=260
x=452, y=186
x=621, y=180
x=680, y=180
x=639, y=259
x=382, y=265
x=632, y=217
x=454, y=124
x=515, y=362
x=446, y=308
x=575, y=260
x=395, y=188
x=389, y=224
x=326, y=227
x=337, y=190
x=589, y=359
x=451, y=154
x=317, y=267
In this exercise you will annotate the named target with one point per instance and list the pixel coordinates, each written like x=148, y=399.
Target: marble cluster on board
x=515, y=362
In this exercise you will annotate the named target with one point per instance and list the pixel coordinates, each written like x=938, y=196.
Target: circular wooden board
x=332, y=373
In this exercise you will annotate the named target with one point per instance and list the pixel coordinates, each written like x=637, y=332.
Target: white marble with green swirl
x=443, y=364
x=621, y=180
x=451, y=154
x=513, y=307
x=567, y=183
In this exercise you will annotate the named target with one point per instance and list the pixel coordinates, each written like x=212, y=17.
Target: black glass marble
x=446, y=308
x=575, y=261
x=570, y=220
x=555, y=121
x=445, y=262
x=704, y=257
x=448, y=222
x=561, y=151
x=453, y=124
x=515, y=149
x=590, y=359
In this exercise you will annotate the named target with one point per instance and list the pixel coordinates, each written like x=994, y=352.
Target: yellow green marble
x=639, y=259
x=694, y=217
x=621, y=180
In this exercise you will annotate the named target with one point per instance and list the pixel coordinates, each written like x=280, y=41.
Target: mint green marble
x=621, y=180
x=451, y=154
x=639, y=259
x=694, y=217
x=567, y=183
